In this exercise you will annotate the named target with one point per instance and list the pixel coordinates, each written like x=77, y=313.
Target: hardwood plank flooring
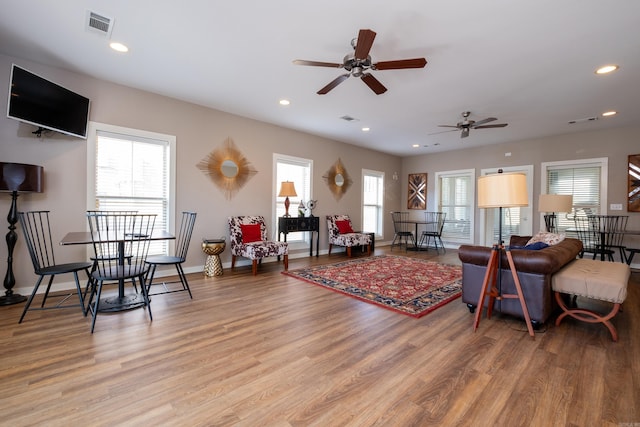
x=271, y=350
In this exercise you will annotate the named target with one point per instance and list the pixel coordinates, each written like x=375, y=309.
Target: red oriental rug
x=407, y=285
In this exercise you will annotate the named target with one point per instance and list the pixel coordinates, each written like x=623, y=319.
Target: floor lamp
x=15, y=177
x=554, y=203
x=501, y=190
x=287, y=189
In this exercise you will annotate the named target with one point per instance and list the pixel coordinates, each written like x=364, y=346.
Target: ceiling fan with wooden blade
x=466, y=125
x=359, y=63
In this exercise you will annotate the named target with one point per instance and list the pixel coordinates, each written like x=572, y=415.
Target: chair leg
x=33, y=293
x=349, y=251
x=145, y=294
x=233, y=261
x=254, y=267
x=46, y=293
x=96, y=305
x=330, y=246
x=80, y=297
x=183, y=279
x=286, y=262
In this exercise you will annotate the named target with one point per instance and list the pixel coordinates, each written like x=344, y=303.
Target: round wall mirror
x=229, y=169
x=339, y=179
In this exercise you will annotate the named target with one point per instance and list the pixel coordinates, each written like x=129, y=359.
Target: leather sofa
x=535, y=268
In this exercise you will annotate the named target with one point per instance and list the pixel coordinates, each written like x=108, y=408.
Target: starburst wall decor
x=228, y=168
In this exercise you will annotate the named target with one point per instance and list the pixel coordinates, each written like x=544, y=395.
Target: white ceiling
x=529, y=63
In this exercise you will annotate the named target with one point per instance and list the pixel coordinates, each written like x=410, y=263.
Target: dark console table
x=292, y=224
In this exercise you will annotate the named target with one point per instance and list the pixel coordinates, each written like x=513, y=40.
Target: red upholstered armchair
x=341, y=234
x=248, y=238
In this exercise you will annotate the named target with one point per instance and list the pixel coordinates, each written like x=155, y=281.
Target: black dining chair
x=182, y=246
x=402, y=228
x=434, y=223
x=113, y=247
x=586, y=233
x=37, y=233
x=131, y=233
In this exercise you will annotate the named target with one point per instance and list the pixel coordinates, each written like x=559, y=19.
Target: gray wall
x=614, y=144
x=199, y=131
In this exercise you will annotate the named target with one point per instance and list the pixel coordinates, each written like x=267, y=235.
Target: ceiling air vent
x=348, y=118
x=99, y=24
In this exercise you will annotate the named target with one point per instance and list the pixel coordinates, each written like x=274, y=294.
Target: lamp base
x=489, y=288
x=12, y=299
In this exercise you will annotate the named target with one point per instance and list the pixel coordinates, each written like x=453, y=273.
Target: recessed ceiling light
x=607, y=69
x=284, y=102
x=609, y=113
x=366, y=129
x=416, y=145
x=119, y=47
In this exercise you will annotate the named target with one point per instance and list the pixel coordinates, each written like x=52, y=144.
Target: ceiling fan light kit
x=359, y=63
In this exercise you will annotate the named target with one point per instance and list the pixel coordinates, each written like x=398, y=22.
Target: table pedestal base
x=127, y=302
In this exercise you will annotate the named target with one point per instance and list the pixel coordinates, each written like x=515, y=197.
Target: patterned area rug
x=407, y=285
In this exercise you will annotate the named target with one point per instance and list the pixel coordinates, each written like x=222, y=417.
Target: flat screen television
x=40, y=102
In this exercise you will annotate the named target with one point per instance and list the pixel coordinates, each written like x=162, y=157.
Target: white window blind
x=583, y=182
x=455, y=198
x=373, y=198
x=132, y=174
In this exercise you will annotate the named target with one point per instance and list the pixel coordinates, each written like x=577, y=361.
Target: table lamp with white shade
x=552, y=203
x=287, y=189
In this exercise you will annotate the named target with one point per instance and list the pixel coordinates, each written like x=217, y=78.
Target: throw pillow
x=532, y=247
x=344, y=226
x=548, y=238
x=250, y=233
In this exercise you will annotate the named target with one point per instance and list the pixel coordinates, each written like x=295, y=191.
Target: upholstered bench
x=604, y=281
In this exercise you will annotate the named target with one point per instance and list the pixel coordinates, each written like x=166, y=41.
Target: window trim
x=471, y=173
x=94, y=128
x=602, y=162
x=293, y=244
x=380, y=175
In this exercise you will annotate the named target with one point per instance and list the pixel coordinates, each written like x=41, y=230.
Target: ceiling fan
x=466, y=125
x=359, y=62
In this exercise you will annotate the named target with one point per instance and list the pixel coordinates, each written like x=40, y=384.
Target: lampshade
x=287, y=189
x=555, y=203
x=502, y=190
x=20, y=177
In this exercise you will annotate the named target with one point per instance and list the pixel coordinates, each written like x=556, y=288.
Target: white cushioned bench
x=600, y=280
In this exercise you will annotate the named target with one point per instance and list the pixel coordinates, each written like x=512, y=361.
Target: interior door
x=515, y=221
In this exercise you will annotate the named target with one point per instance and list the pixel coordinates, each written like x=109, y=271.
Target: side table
x=213, y=248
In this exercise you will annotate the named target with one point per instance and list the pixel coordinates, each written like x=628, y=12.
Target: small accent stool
x=604, y=281
x=213, y=248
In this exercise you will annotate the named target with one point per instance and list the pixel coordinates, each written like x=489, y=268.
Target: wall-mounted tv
x=40, y=102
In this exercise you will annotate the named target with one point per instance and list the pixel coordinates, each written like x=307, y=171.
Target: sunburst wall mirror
x=338, y=179
x=228, y=168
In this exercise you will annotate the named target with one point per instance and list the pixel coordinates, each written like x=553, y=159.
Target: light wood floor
x=275, y=351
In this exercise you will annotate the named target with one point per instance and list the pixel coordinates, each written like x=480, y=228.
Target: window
x=455, y=195
x=372, y=201
x=299, y=171
x=584, y=179
x=129, y=169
